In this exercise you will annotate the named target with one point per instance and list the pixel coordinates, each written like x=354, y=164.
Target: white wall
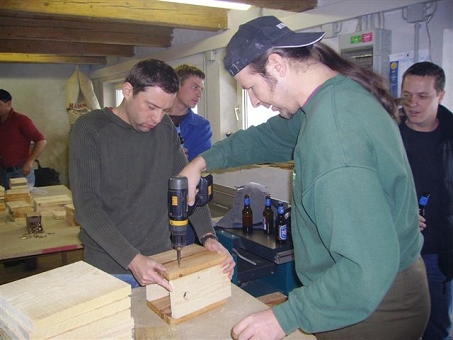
x=39, y=91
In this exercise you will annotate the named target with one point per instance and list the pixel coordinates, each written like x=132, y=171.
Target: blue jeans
x=5, y=177
x=439, y=325
x=128, y=278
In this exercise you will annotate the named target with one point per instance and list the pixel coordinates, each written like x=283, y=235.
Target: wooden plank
x=193, y=259
x=273, y=299
x=198, y=285
x=18, y=182
x=93, y=31
x=138, y=11
x=97, y=329
x=52, y=200
x=83, y=319
x=50, y=58
x=65, y=48
x=197, y=292
x=163, y=310
x=60, y=294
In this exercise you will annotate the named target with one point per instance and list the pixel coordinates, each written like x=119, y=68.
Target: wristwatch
x=206, y=237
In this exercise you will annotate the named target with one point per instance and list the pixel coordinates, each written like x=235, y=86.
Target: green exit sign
x=356, y=39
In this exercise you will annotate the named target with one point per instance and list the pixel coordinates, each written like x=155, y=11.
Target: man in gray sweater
x=120, y=161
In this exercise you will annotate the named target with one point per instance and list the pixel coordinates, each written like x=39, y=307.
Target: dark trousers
x=439, y=324
x=402, y=314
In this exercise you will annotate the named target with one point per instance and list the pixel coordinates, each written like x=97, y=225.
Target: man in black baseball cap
x=354, y=218
x=5, y=96
x=255, y=37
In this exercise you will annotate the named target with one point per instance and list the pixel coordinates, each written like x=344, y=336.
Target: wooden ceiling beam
x=85, y=31
x=286, y=5
x=50, y=59
x=64, y=48
x=132, y=11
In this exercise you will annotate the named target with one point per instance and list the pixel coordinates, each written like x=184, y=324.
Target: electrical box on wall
x=370, y=49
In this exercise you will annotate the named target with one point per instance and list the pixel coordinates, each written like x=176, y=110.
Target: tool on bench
x=179, y=210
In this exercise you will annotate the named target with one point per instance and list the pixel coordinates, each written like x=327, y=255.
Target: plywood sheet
x=48, y=298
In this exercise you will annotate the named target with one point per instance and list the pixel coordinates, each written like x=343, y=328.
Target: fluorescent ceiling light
x=213, y=3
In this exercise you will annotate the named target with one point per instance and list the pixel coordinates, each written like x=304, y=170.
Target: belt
x=12, y=168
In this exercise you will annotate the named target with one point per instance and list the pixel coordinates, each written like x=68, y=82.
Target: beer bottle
x=422, y=203
x=281, y=228
x=268, y=216
x=247, y=216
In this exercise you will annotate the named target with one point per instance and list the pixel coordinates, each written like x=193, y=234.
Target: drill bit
x=178, y=256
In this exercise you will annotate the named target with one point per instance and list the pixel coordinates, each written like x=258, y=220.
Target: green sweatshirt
x=119, y=181
x=354, y=209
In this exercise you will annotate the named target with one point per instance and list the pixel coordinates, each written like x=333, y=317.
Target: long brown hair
x=370, y=80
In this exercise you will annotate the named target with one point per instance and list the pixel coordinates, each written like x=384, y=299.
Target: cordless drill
x=179, y=210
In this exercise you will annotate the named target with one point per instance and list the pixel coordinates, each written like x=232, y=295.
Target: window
x=254, y=115
x=118, y=94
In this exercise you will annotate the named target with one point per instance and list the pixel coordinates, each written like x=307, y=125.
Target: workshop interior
x=62, y=61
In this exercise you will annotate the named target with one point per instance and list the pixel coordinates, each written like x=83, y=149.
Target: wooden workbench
x=60, y=236
x=215, y=324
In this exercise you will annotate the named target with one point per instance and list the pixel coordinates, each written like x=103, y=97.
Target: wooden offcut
x=70, y=215
x=48, y=205
x=18, y=183
x=199, y=285
x=76, y=301
x=18, y=210
x=18, y=195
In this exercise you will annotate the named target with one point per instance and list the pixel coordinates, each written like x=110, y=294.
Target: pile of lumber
x=18, y=190
x=52, y=205
x=18, y=199
x=76, y=301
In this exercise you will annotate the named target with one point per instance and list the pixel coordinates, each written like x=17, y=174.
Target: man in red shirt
x=17, y=131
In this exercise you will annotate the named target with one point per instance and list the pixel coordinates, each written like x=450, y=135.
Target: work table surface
x=60, y=236
x=214, y=324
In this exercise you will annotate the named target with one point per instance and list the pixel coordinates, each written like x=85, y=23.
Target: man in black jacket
x=427, y=132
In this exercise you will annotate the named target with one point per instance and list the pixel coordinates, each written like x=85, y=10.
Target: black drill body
x=179, y=210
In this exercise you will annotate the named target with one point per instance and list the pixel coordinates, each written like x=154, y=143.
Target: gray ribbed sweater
x=119, y=178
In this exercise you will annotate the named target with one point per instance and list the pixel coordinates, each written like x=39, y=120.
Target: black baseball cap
x=5, y=96
x=255, y=37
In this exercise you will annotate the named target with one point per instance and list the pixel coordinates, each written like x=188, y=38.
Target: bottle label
x=423, y=200
x=282, y=235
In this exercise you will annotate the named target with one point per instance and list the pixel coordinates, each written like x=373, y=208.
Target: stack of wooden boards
x=76, y=301
x=21, y=204
x=18, y=199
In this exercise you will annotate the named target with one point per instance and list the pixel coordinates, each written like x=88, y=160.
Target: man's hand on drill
x=193, y=172
x=228, y=264
x=147, y=271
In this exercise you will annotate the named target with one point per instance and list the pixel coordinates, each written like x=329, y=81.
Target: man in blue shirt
x=194, y=130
